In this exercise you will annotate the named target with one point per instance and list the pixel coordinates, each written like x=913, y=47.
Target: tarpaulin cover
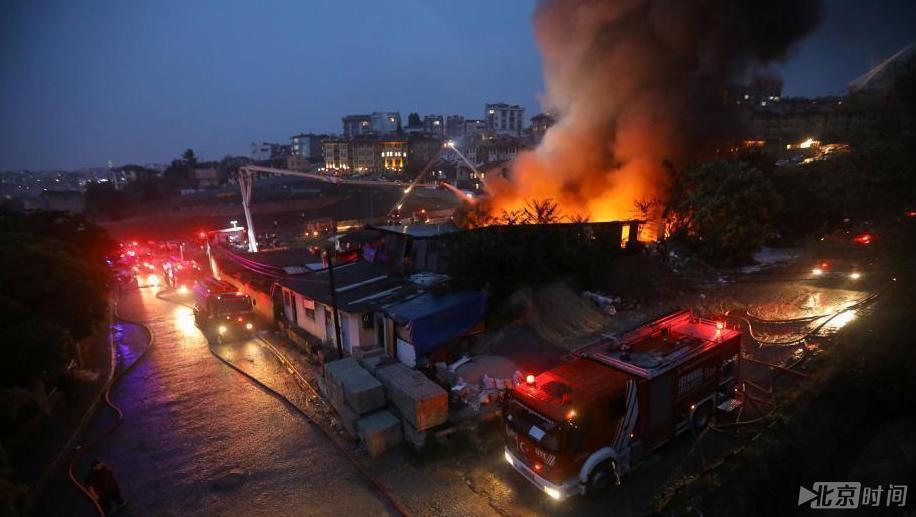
x=432, y=320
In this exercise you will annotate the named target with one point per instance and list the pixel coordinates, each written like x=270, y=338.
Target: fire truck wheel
x=600, y=479
x=700, y=418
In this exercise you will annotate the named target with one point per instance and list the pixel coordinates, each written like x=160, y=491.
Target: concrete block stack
x=422, y=403
x=380, y=431
x=352, y=390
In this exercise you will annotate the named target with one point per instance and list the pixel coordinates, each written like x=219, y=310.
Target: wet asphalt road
x=200, y=439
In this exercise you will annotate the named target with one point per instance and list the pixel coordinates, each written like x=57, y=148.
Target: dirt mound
x=557, y=314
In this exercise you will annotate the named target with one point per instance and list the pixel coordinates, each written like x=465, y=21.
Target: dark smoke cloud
x=638, y=82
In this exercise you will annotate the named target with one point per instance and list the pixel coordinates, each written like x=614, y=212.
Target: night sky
x=138, y=82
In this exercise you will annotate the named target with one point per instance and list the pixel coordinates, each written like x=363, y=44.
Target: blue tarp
x=432, y=320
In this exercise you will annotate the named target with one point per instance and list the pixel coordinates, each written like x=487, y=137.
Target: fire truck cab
x=579, y=427
x=218, y=306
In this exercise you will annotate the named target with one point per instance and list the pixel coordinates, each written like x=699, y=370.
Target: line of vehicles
x=220, y=310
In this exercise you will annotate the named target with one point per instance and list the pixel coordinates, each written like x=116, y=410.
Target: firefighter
x=103, y=487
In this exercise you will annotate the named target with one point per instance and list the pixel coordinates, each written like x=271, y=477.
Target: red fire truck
x=579, y=427
x=221, y=308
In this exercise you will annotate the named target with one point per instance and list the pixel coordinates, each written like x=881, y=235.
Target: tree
x=724, y=208
x=55, y=290
x=176, y=175
x=189, y=159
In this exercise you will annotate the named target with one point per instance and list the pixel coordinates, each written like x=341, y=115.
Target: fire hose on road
x=395, y=503
x=119, y=415
x=746, y=319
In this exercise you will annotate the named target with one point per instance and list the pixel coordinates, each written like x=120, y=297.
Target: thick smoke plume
x=636, y=83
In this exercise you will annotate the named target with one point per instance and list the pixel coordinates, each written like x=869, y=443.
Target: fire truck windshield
x=526, y=422
x=233, y=304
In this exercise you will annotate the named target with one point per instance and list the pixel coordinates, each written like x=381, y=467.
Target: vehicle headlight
x=855, y=275
x=509, y=459
x=222, y=329
x=249, y=326
x=552, y=492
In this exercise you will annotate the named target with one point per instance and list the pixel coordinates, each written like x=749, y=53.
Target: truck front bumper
x=560, y=492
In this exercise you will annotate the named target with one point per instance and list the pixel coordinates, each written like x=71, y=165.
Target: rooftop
x=360, y=286
x=420, y=230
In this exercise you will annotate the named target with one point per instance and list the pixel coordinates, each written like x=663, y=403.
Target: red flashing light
x=911, y=213
x=202, y=235
x=864, y=239
x=538, y=467
x=241, y=320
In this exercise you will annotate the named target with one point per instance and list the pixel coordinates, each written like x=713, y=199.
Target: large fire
x=637, y=85
x=568, y=170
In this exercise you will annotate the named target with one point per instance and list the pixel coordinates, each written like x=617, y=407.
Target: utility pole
x=330, y=255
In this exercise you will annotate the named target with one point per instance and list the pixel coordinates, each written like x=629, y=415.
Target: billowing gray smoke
x=638, y=82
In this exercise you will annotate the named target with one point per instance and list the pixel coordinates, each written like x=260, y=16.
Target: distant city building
x=454, y=126
x=261, y=151
x=376, y=123
x=760, y=92
x=280, y=151
x=356, y=125
x=481, y=152
x=434, y=125
x=269, y=151
x=421, y=149
x=385, y=122
x=365, y=155
x=336, y=154
x=306, y=145
x=414, y=130
x=793, y=120
x=540, y=123
x=475, y=129
x=392, y=155
x=504, y=119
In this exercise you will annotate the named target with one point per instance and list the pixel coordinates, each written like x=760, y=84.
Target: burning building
x=637, y=85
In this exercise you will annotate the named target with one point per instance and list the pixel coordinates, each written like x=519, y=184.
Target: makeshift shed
x=428, y=321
